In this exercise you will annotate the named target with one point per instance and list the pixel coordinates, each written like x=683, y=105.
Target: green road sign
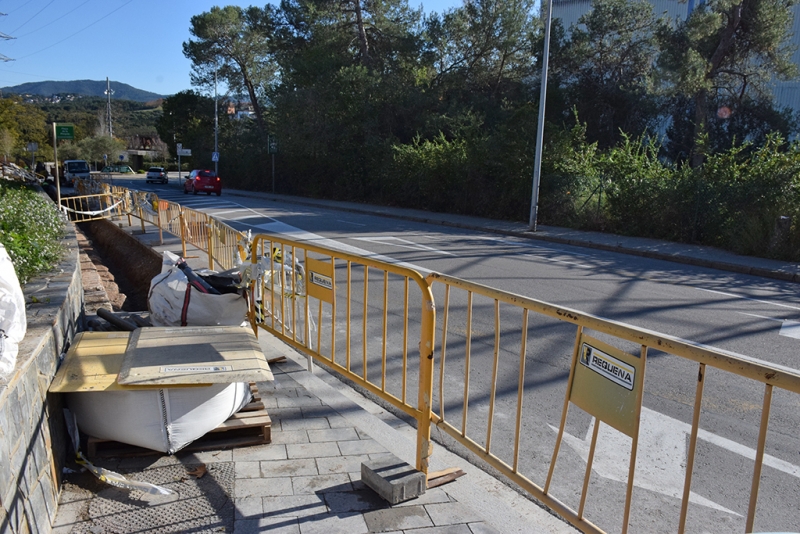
x=65, y=131
x=273, y=145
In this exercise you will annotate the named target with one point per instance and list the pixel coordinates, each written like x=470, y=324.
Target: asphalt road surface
x=756, y=317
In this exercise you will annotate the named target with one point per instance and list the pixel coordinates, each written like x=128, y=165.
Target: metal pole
x=537, y=167
x=55, y=159
x=273, y=173
x=109, y=92
x=216, y=125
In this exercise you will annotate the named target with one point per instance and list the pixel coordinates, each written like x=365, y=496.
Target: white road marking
x=748, y=298
x=402, y=243
x=662, y=455
x=297, y=234
x=230, y=211
x=788, y=328
x=583, y=265
x=527, y=245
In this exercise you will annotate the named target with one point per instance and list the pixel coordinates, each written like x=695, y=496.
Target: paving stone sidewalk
x=306, y=481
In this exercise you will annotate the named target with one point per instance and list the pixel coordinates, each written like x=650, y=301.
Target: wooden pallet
x=249, y=426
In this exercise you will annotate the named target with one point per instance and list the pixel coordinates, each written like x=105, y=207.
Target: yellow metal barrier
x=307, y=294
x=90, y=207
x=220, y=242
x=508, y=349
x=353, y=315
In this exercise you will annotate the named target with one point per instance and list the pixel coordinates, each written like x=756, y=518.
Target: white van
x=74, y=168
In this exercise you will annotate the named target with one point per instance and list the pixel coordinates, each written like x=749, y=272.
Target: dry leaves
x=198, y=471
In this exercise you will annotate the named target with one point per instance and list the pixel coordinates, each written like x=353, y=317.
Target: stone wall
x=33, y=440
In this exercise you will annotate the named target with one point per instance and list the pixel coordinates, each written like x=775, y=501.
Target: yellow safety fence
x=506, y=364
x=98, y=199
x=605, y=378
x=322, y=301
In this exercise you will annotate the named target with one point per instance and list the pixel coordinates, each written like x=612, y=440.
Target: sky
x=137, y=42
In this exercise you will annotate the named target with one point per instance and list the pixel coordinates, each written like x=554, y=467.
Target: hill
x=122, y=91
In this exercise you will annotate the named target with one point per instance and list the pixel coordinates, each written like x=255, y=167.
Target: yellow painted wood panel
x=92, y=363
x=191, y=355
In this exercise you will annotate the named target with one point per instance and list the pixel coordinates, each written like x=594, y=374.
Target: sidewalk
x=307, y=480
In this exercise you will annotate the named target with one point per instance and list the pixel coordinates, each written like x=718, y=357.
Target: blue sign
x=215, y=156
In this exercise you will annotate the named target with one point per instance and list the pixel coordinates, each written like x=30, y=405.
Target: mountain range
x=121, y=91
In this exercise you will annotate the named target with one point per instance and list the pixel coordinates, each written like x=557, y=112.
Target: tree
x=234, y=44
x=188, y=118
x=94, y=148
x=485, y=43
x=7, y=142
x=725, y=52
x=607, y=68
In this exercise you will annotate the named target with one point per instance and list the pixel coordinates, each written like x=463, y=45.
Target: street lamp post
x=537, y=166
x=216, y=127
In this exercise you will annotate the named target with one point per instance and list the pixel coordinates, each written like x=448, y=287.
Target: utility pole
x=109, y=92
x=216, y=127
x=537, y=166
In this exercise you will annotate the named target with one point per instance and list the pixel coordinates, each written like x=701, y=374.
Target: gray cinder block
x=393, y=479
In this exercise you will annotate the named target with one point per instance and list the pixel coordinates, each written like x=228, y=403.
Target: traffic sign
x=185, y=152
x=179, y=146
x=32, y=147
x=65, y=131
x=273, y=145
x=215, y=156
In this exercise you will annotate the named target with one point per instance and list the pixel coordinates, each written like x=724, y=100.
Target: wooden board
x=168, y=356
x=93, y=362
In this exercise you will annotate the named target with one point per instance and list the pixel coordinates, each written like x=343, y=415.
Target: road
x=753, y=316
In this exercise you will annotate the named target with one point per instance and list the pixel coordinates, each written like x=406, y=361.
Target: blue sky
x=137, y=42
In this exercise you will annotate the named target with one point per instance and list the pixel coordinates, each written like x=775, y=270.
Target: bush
x=30, y=229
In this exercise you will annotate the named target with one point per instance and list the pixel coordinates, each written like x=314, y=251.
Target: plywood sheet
x=192, y=355
x=92, y=363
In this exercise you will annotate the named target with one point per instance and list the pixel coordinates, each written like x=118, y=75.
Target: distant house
x=787, y=94
x=240, y=110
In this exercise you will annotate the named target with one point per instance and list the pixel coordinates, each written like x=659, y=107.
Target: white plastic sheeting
x=173, y=302
x=13, y=322
x=164, y=420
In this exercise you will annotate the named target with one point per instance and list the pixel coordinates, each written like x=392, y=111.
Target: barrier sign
x=320, y=279
x=606, y=384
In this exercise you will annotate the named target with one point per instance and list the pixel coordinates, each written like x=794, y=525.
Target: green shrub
x=30, y=229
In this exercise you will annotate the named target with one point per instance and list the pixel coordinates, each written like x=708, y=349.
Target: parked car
x=203, y=180
x=156, y=174
x=125, y=169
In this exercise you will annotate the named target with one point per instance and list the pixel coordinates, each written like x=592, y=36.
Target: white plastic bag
x=13, y=322
x=173, y=302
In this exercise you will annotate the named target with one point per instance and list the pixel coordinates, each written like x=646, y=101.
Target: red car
x=203, y=181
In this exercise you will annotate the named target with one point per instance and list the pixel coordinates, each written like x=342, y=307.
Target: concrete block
x=393, y=479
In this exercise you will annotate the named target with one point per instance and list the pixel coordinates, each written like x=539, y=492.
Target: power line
x=77, y=32
x=57, y=19
x=32, y=16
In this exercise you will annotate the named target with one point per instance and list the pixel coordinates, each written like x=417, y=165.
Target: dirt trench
x=125, y=265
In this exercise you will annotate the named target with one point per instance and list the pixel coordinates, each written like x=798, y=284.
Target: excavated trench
x=124, y=264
